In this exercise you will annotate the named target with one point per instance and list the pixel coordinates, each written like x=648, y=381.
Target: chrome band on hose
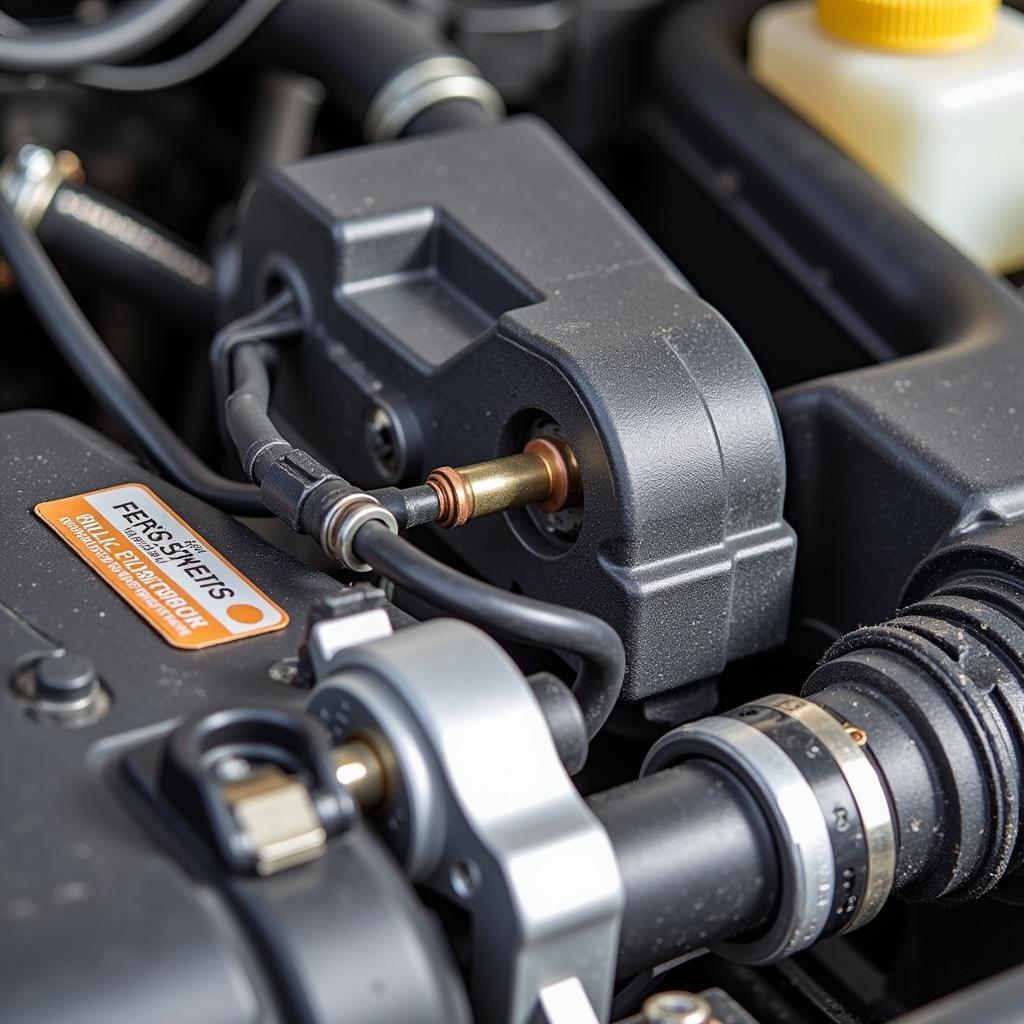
x=29, y=179
x=337, y=536
x=868, y=794
x=422, y=85
x=801, y=832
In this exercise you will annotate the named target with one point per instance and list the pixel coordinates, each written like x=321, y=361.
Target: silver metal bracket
x=482, y=811
x=329, y=637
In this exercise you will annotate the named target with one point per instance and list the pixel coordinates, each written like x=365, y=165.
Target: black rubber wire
x=131, y=30
x=116, y=245
x=514, y=616
x=354, y=47
x=204, y=56
x=104, y=377
x=246, y=410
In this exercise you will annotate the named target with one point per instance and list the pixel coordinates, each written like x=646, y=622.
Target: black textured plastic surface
x=475, y=283
x=886, y=462
x=98, y=921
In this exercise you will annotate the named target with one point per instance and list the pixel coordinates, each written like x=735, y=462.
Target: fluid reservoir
x=926, y=94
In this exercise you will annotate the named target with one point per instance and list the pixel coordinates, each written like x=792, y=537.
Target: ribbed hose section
x=767, y=828
x=950, y=668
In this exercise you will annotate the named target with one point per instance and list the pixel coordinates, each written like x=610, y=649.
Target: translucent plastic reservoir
x=941, y=122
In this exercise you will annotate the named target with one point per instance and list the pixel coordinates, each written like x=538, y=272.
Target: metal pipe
x=362, y=771
x=546, y=473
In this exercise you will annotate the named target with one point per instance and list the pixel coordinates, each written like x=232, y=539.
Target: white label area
x=182, y=560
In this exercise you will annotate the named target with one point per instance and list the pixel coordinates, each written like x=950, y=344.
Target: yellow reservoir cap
x=910, y=26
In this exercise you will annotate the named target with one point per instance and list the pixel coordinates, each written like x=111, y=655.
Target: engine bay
x=512, y=512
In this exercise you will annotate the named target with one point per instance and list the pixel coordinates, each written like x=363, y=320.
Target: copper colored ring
x=454, y=498
x=563, y=472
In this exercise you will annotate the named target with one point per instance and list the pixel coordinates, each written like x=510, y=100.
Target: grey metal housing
x=474, y=283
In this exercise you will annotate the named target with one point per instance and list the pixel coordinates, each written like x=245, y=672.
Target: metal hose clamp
x=792, y=810
x=345, y=520
x=868, y=793
x=29, y=179
x=422, y=85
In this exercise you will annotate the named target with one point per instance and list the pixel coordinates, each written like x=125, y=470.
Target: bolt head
x=35, y=162
x=677, y=1008
x=65, y=678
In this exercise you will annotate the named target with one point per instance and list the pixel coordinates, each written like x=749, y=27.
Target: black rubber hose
x=565, y=719
x=529, y=621
x=448, y=116
x=210, y=51
x=877, y=268
x=131, y=30
x=119, y=247
x=697, y=859
x=525, y=619
x=104, y=377
x=246, y=413
x=354, y=47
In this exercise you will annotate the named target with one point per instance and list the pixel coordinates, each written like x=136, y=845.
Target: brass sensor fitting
x=361, y=769
x=545, y=473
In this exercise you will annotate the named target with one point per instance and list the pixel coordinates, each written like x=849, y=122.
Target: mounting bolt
x=67, y=679
x=61, y=689
x=677, y=1008
x=385, y=440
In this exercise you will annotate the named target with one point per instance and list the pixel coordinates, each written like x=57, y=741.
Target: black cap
x=64, y=678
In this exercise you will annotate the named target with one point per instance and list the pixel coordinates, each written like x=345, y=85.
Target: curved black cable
x=104, y=377
x=246, y=409
x=204, y=56
x=514, y=616
x=130, y=31
x=353, y=48
x=117, y=246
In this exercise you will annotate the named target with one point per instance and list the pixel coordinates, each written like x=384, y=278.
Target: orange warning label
x=179, y=584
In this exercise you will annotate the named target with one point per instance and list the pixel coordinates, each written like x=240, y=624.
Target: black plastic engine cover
x=99, y=920
x=481, y=285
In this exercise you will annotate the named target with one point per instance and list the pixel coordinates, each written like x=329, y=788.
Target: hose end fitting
x=545, y=473
x=30, y=178
x=344, y=518
x=455, y=504
x=419, y=86
x=311, y=499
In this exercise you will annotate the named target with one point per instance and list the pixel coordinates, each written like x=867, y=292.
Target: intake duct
x=898, y=771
